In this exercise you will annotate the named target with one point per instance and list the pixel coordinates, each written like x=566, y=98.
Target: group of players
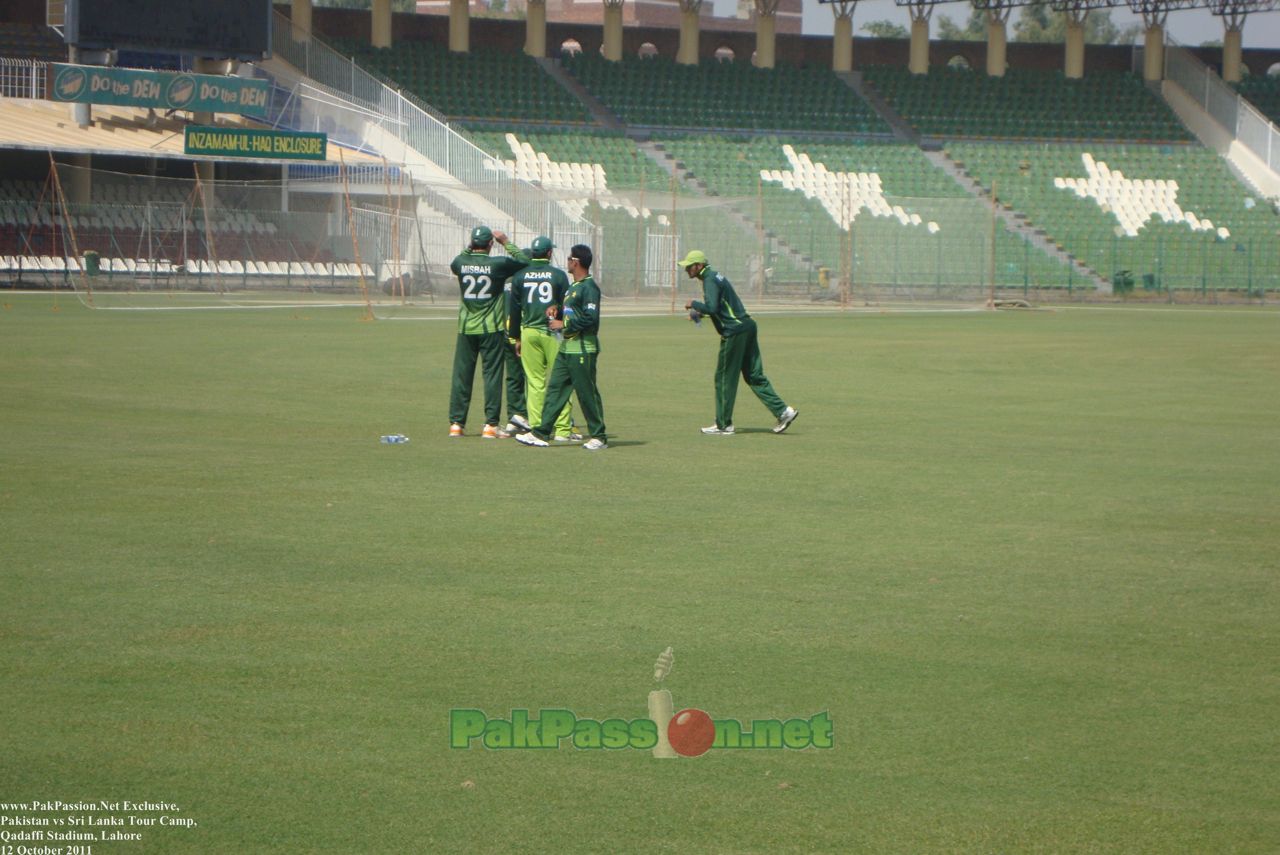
x=539, y=325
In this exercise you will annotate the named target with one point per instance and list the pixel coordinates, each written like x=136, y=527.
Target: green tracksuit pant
x=538, y=349
x=573, y=372
x=740, y=355
x=515, y=379
x=469, y=348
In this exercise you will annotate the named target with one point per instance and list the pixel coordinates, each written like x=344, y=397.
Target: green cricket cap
x=541, y=246
x=481, y=235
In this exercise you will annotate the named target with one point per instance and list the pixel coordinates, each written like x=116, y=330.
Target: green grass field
x=1028, y=563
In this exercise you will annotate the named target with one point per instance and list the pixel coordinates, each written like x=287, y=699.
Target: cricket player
x=575, y=365
x=739, y=348
x=481, y=319
x=534, y=290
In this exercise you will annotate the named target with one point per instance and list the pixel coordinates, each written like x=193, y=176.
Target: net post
x=355, y=242
x=991, y=248
x=70, y=230
x=208, y=230
x=675, y=238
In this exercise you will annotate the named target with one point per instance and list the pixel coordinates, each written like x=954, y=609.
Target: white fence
x=411, y=122
x=1228, y=107
x=23, y=78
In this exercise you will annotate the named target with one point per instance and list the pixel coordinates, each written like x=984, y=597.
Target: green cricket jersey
x=481, y=280
x=721, y=303
x=582, y=317
x=534, y=289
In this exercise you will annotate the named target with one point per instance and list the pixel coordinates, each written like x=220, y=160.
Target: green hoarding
x=161, y=90
x=249, y=142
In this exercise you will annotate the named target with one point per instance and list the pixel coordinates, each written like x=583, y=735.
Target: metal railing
x=410, y=122
x=1228, y=107
x=23, y=78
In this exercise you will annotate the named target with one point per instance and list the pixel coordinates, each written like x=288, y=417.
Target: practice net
x=374, y=237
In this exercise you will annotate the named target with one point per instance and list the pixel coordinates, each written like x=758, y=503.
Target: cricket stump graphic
x=660, y=708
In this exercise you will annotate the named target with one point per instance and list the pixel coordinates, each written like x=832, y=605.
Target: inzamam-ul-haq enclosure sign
x=251, y=142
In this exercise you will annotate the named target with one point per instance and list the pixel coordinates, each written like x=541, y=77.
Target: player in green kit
x=533, y=290
x=575, y=365
x=739, y=347
x=481, y=319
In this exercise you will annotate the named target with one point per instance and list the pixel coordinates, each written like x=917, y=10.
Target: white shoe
x=507, y=432
x=520, y=422
x=784, y=421
x=529, y=438
x=716, y=430
x=573, y=437
x=595, y=444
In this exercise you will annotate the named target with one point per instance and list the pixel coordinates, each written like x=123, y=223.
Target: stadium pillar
x=766, y=32
x=1231, y=57
x=459, y=26
x=535, y=28
x=301, y=18
x=919, y=58
x=613, y=30
x=765, y=41
x=1153, y=53
x=997, y=41
x=687, y=52
x=842, y=41
x=81, y=114
x=380, y=29
x=1073, y=66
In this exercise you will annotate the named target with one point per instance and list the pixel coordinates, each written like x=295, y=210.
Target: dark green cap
x=481, y=236
x=541, y=247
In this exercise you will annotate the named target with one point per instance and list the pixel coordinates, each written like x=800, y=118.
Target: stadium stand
x=657, y=92
x=905, y=203
x=623, y=163
x=1027, y=104
x=1174, y=214
x=482, y=86
x=1263, y=91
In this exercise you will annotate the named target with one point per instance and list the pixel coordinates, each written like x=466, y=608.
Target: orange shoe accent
x=490, y=432
x=455, y=430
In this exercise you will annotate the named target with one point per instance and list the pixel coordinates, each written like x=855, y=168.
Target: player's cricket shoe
x=716, y=430
x=595, y=444
x=570, y=437
x=530, y=438
x=507, y=432
x=784, y=421
x=489, y=432
x=455, y=430
x=520, y=422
